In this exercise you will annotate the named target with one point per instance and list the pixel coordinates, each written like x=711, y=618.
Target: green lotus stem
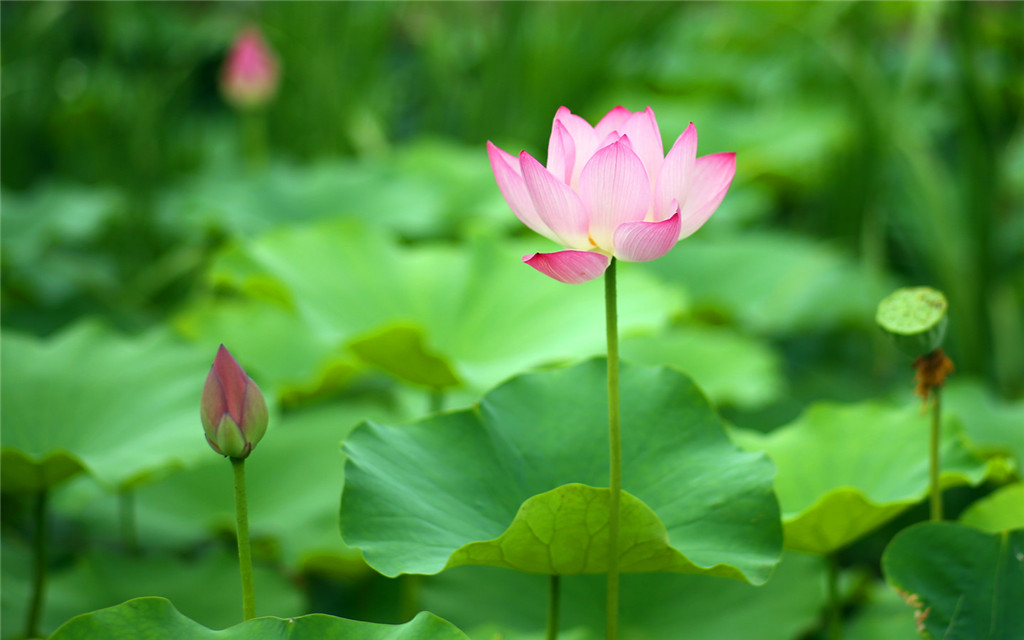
x=126, y=511
x=409, y=597
x=436, y=400
x=834, y=613
x=554, y=598
x=936, y=432
x=242, y=531
x=615, y=453
x=40, y=538
x=254, y=126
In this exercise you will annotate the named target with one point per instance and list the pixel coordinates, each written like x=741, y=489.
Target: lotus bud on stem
x=248, y=82
x=916, y=319
x=234, y=416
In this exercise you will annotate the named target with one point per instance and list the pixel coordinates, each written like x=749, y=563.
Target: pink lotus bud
x=233, y=410
x=251, y=73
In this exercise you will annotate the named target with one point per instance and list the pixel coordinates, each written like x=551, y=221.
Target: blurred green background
x=878, y=145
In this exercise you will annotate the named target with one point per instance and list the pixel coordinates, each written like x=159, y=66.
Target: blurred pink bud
x=610, y=190
x=250, y=75
x=233, y=410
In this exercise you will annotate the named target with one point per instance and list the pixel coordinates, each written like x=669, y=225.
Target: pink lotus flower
x=233, y=411
x=250, y=74
x=610, y=191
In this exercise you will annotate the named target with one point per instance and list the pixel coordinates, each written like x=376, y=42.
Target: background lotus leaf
x=787, y=283
x=123, y=409
x=843, y=470
x=483, y=313
x=419, y=497
x=993, y=425
x=731, y=367
x=999, y=511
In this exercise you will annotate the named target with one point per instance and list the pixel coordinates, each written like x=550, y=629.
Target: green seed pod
x=916, y=319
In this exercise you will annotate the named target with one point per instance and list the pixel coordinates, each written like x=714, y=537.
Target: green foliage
x=786, y=283
x=122, y=409
x=293, y=488
x=974, y=592
x=204, y=587
x=516, y=492
x=487, y=601
x=732, y=368
x=475, y=314
x=157, y=619
x=845, y=470
x=1001, y=511
x=363, y=265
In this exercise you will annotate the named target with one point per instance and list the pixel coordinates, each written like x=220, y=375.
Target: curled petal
x=643, y=241
x=557, y=205
x=570, y=267
x=561, y=153
x=513, y=188
x=712, y=176
x=642, y=130
x=676, y=174
x=614, y=189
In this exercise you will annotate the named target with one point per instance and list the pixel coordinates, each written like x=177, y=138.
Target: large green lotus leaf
x=843, y=470
x=506, y=475
x=480, y=310
x=787, y=283
x=991, y=424
x=965, y=584
x=205, y=586
x=157, y=619
x=123, y=409
x=999, y=511
x=289, y=359
x=293, y=480
x=487, y=601
x=733, y=369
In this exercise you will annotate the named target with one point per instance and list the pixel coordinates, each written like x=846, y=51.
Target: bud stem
x=40, y=538
x=614, y=451
x=126, y=511
x=554, y=596
x=834, y=615
x=935, y=466
x=242, y=531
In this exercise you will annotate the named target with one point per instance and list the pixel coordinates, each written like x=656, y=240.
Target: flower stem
x=409, y=596
x=615, y=453
x=40, y=538
x=554, y=597
x=834, y=613
x=242, y=531
x=936, y=432
x=126, y=509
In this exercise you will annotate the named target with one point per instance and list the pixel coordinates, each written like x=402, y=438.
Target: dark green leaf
x=963, y=583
